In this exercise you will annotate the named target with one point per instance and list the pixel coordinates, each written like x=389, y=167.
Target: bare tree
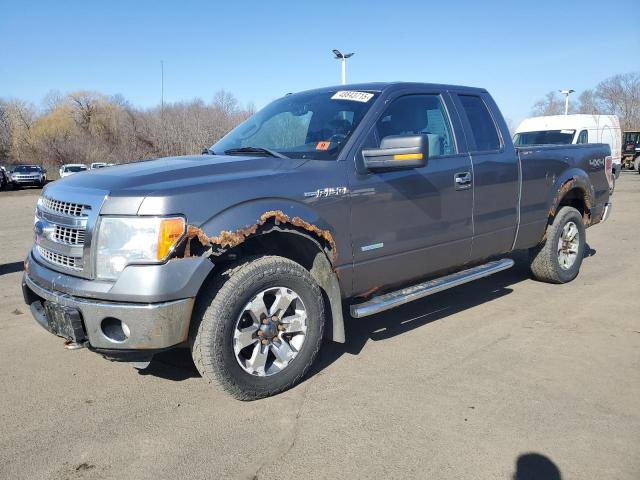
x=551, y=104
x=620, y=95
x=588, y=103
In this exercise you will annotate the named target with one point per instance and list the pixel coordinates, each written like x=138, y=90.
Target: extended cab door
x=495, y=174
x=407, y=224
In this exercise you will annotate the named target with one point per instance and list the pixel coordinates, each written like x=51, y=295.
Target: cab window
x=418, y=115
x=583, y=137
x=484, y=134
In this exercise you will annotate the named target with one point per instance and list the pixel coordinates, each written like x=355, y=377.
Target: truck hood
x=125, y=187
x=145, y=177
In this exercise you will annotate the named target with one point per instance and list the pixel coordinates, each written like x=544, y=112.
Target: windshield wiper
x=271, y=153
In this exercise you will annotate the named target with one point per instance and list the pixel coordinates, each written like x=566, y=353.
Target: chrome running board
x=409, y=294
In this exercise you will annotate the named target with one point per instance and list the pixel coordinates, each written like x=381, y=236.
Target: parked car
x=373, y=194
x=24, y=175
x=71, y=168
x=96, y=165
x=576, y=129
x=631, y=150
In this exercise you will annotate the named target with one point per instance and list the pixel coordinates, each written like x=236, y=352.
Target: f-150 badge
x=327, y=192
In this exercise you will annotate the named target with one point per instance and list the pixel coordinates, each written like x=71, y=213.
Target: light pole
x=566, y=94
x=343, y=57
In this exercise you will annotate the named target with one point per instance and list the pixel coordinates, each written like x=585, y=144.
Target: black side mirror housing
x=398, y=152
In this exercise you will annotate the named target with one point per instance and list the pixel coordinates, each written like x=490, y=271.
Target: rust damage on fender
x=564, y=189
x=228, y=239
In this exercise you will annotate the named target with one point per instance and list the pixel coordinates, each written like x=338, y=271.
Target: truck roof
x=386, y=86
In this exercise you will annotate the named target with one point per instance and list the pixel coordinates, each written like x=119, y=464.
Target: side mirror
x=398, y=152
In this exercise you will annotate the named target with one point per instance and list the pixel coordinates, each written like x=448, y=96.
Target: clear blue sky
x=263, y=49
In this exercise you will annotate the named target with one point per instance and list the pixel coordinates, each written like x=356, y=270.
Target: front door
x=407, y=224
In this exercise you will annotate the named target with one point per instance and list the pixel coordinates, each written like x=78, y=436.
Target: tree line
x=86, y=127
x=617, y=95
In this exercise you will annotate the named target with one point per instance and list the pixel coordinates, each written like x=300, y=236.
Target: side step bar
x=421, y=290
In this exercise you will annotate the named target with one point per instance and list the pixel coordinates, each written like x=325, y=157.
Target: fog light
x=114, y=329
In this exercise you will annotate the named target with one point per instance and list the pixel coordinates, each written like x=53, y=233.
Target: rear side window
x=483, y=129
x=583, y=137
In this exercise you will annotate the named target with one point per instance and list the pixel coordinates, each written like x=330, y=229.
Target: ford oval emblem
x=39, y=228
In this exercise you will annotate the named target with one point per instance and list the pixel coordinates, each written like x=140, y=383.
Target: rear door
x=407, y=224
x=495, y=175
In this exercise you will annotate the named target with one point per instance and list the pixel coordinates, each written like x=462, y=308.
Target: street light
x=566, y=94
x=343, y=57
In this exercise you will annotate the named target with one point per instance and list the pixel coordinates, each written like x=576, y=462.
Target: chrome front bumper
x=151, y=326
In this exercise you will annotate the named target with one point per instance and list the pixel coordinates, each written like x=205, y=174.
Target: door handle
x=462, y=180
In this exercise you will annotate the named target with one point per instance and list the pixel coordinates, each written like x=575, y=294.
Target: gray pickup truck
x=370, y=195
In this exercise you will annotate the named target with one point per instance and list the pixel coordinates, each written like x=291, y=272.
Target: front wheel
x=558, y=259
x=257, y=329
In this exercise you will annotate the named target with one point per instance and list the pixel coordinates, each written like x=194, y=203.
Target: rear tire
x=558, y=259
x=229, y=307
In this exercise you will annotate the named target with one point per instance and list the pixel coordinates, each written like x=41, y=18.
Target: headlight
x=126, y=240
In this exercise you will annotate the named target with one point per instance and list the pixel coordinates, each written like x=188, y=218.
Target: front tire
x=559, y=258
x=258, y=327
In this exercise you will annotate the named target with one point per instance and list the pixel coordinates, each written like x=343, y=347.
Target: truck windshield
x=75, y=168
x=26, y=169
x=312, y=125
x=544, y=137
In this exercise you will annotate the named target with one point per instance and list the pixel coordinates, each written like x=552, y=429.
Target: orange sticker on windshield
x=323, y=145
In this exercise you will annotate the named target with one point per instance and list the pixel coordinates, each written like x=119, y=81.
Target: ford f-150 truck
x=371, y=195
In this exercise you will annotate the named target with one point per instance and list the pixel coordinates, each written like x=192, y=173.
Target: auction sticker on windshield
x=352, y=95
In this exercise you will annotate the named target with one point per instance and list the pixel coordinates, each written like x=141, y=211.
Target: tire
x=222, y=308
x=547, y=257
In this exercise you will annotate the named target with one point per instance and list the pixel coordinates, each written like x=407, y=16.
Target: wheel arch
x=572, y=189
x=292, y=231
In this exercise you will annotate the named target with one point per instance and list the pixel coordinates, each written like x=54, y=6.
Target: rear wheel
x=558, y=259
x=258, y=328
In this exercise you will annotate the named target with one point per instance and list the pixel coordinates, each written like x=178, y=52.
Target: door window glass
x=419, y=115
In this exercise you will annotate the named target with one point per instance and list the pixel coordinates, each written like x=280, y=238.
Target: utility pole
x=566, y=94
x=343, y=57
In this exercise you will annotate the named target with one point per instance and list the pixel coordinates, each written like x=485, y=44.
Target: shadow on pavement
x=14, y=267
x=534, y=466
x=414, y=315
x=177, y=364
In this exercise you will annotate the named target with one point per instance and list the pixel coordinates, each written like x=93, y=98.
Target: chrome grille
x=59, y=259
x=65, y=208
x=69, y=236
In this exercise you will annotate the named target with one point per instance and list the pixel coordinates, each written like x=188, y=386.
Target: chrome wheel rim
x=568, y=244
x=270, y=331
